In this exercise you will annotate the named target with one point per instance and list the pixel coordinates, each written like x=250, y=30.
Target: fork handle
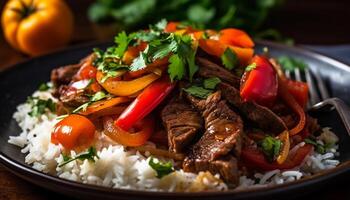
x=342, y=109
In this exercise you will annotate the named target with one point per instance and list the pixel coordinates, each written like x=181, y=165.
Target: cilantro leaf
x=162, y=169
x=211, y=83
x=82, y=107
x=44, y=87
x=192, y=67
x=250, y=67
x=89, y=155
x=39, y=106
x=98, y=96
x=159, y=26
x=229, y=59
x=271, y=147
x=176, y=68
x=198, y=91
x=139, y=62
x=322, y=149
x=122, y=40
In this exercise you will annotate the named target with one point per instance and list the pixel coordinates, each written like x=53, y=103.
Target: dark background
x=313, y=22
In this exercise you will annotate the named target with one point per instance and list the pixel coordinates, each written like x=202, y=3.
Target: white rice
x=119, y=168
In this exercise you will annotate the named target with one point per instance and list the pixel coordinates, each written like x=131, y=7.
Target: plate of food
x=173, y=112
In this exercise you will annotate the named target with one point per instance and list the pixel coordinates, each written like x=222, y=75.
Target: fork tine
x=321, y=86
x=314, y=98
x=287, y=73
x=297, y=74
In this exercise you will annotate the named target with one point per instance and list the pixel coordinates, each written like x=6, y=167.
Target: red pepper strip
x=300, y=91
x=260, y=84
x=145, y=102
x=255, y=159
x=144, y=129
x=293, y=104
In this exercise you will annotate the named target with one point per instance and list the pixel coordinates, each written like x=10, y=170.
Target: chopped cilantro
x=44, y=87
x=271, y=147
x=322, y=149
x=139, y=63
x=176, y=68
x=39, y=106
x=98, y=96
x=162, y=169
x=198, y=91
x=122, y=40
x=250, y=67
x=229, y=59
x=82, y=107
x=90, y=154
x=289, y=63
x=211, y=83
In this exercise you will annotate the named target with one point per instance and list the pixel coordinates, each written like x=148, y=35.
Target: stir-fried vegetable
x=300, y=91
x=145, y=103
x=126, y=88
x=259, y=83
x=293, y=104
x=74, y=131
x=255, y=159
x=143, y=130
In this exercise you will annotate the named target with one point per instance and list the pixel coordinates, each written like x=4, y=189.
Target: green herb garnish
x=162, y=169
x=229, y=59
x=198, y=91
x=271, y=147
x=96, y=97
x=44, y=87
x=39, y=106
x=211, y=83
x=90, y=155
x=322, y=149
x=250, y=67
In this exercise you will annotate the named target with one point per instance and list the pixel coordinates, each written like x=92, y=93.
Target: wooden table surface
x=311, y=22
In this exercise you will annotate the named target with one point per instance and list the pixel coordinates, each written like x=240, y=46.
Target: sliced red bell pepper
x=289, y=99
x=300, y=91
x=253, y=158
x=145, y=102
x=260, y=84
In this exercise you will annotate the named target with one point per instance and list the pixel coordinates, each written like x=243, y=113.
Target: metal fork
x=320, y=99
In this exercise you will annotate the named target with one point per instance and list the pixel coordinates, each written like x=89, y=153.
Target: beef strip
x=71, y=97
x=263, y=117
x=223, y=135
x=182, y=123
x=209, y=69
x=64, y=75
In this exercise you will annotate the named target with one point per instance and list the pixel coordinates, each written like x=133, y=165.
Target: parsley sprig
x=90, y=154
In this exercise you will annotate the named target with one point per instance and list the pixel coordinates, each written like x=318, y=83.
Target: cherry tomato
x=87, y=71
x=299, y=90
x=74, y=131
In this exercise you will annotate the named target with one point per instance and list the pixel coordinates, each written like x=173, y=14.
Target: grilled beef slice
x=263, y=117
x=182, y=123
x=209, y=69
x=223, y=135
x=64, y=75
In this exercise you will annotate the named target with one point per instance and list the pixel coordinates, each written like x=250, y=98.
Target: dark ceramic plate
x=21, y=80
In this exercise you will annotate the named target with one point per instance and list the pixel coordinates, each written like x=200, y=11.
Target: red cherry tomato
x=74, y=131
x=260, y=84
x=87, y=71
x=299, y=90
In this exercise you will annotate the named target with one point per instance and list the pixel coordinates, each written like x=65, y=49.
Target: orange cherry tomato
x=74, y=131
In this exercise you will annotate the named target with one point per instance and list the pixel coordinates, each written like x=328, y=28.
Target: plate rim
x=31, y=173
